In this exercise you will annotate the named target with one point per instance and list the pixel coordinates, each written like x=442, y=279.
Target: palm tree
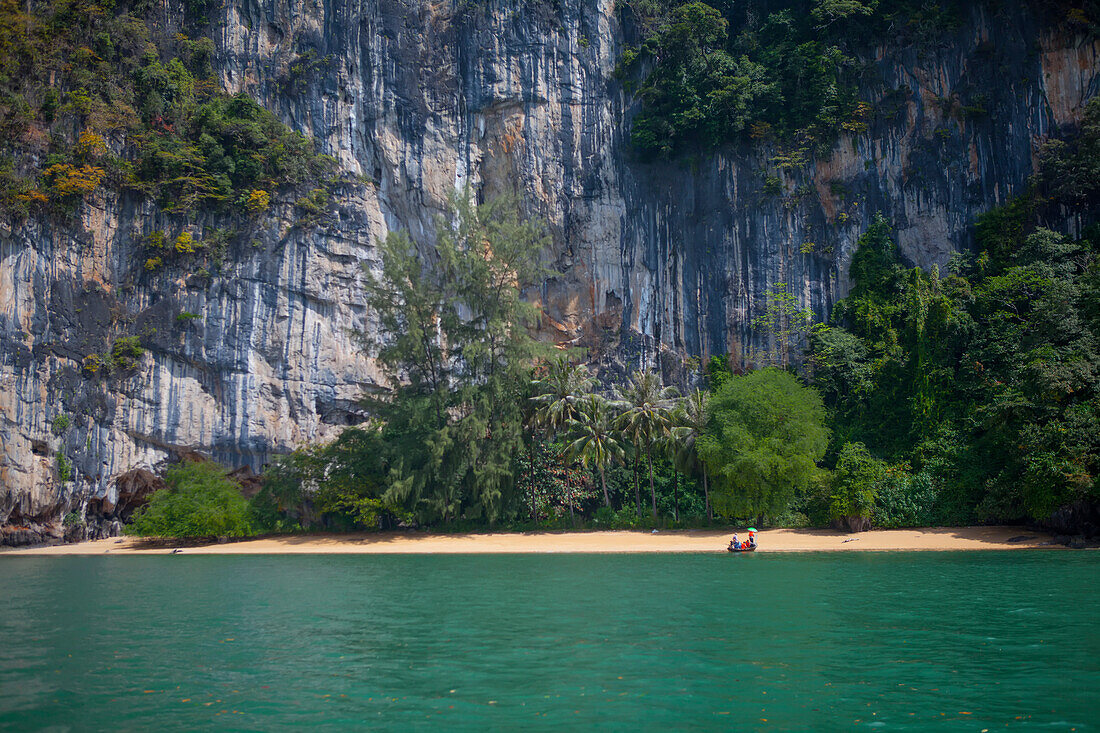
x=646, y=417
x=670, y=447
x=558, y=392
x=690, y=419
x=596, y=443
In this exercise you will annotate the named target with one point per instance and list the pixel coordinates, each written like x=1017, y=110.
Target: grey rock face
x=655, y=260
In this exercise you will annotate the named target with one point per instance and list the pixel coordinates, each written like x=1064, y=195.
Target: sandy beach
x=777, y=540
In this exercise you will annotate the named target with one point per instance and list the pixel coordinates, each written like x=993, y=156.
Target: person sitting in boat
x=734, y=543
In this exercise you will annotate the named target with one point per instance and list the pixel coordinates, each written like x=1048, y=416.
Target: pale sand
x=775, y=540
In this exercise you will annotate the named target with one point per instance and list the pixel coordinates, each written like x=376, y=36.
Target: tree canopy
x=854, y=483
x=766, y=433
x=199, y=501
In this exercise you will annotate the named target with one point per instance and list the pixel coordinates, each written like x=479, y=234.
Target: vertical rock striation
x=417, y=99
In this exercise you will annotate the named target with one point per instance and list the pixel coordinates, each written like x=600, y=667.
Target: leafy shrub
x=791, y=518
x=314, y=205
x=814, y=502
x=155, y=239
x=258, y=201
x=766, y=434
x=855, y=482
x=266, y=517
x=343, y=480
x=126, y=351
x=92, y=364
x=718, y=372
x=64, y=180
x=199, y=501
x=90, y=146
x=773, y=186
x=185, y=244
x=153, y=264
x=905, y=499
x=60, y=424
x=64, y=468
x=549, y=483
x=1070, y=169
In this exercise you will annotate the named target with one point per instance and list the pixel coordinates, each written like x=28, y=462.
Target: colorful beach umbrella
x=752, y=529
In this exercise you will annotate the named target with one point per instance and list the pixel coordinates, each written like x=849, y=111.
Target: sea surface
x=818, y=641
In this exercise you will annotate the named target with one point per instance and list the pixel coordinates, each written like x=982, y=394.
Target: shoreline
x=569, y=542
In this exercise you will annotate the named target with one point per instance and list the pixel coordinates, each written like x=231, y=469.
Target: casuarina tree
x=454, y=344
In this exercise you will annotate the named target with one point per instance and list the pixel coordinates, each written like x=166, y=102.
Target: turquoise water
x=877, y=641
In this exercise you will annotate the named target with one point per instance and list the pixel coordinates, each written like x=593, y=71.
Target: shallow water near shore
x=882, y=641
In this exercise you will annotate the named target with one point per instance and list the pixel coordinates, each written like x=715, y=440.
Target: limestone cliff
x=419, y=98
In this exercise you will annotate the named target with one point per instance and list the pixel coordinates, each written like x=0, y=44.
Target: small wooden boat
x=750, y=548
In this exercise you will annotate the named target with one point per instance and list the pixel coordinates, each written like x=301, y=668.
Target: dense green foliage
x=94, y=94
x=905, y=499
x=855, y=482
x=766, y=434
x=550, y=485
x=224, y=151
x=985, y=380
x=710, y=74
x=339, y=485
x=722, y=73
x=199, y=502
x=698, y=91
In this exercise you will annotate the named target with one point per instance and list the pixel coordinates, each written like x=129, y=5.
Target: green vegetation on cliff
x=788, y=70
x=94, y=94
x=983, y=383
